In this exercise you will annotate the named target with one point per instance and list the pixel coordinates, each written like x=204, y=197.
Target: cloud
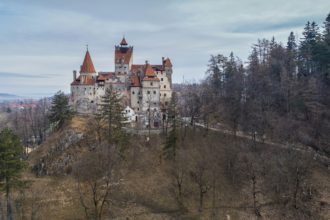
x=48, y=38
x=20, y=75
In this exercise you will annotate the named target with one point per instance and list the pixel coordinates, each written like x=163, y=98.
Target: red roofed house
x=145, y=87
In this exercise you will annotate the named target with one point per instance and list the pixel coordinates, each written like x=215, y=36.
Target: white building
x=143, y=87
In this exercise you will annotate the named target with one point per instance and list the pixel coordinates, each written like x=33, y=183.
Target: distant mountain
x=6, y=96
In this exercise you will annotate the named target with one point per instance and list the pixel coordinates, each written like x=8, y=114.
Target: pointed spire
x=123, y=42
x=87, y=66
x=149, y=72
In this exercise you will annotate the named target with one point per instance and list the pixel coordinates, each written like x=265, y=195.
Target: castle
x=142, y=87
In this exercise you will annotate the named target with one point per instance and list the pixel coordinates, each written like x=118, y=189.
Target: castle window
x=148, y=92
x=161, y=79
x=151, y=83
x=138, y=109
x=138, y=102
x=154, y=103
x=160, y=94
x=133, y=92
x=164, y=94
x=164, y=86
x=166, y=103
x=154, y=92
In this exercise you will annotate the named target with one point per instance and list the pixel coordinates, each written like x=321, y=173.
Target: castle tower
x=168, y=69
x=150, y=90
x=123, y=58
x=87, y=70
x=83, y=92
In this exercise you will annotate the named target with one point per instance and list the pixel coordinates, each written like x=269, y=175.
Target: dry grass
x=145, y=190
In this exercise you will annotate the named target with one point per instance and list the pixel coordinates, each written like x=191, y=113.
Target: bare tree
x=96, y=178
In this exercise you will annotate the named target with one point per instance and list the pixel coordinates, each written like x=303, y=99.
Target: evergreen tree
x=170, y=147
x=11, y=165
x=326, y=32
x=216, y=73
x=325, y=59
x=233, y=92
x=291, y=56
x=309, y=48
x=60, y=111
x=110, y=111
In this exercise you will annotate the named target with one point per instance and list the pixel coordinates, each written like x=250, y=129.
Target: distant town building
x=143, y=87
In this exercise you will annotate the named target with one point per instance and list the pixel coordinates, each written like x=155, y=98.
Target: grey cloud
x=20, y=75
x=48, y=38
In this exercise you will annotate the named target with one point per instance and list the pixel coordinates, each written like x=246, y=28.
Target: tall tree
x=308, y=48
x=11, y=165
x=60, y=111
x=170, y=148
x=291, y=55
x=110, y=110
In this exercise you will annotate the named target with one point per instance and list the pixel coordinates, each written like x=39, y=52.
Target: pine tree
x=291, y=58
x=170, y=147
x=11, y=165
x=326, y=32
x=110, y=111
x=326, y=52
x=309, y=49
x=60, y=112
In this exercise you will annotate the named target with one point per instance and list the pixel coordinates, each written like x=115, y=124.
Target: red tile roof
x=123, y=42
x=136, y=67
x=101, y=77
x=123, y=53
x=105, y=75
x=88, y=81
x=150, y=79
x=88, y=66
x=149, y=72
x=135, y=81
x=75, y=83
x=167, y=62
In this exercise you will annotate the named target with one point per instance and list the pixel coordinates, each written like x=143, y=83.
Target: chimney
x=74, y=75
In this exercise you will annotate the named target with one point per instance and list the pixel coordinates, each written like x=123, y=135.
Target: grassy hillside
x=236, y=178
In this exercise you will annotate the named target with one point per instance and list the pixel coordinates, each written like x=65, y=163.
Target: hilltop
x=146, y=187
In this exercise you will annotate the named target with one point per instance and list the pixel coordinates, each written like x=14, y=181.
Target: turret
x=123, y=57
x=87, y=70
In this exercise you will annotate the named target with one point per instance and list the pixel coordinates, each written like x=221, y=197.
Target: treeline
x=281, y=93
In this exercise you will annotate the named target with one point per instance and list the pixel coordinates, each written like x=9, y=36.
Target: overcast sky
x=41, y=42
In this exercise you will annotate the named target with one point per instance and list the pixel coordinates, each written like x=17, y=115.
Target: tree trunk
x=1, y=209
x=9, y=208
x=201, y=197
x=295, y=194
